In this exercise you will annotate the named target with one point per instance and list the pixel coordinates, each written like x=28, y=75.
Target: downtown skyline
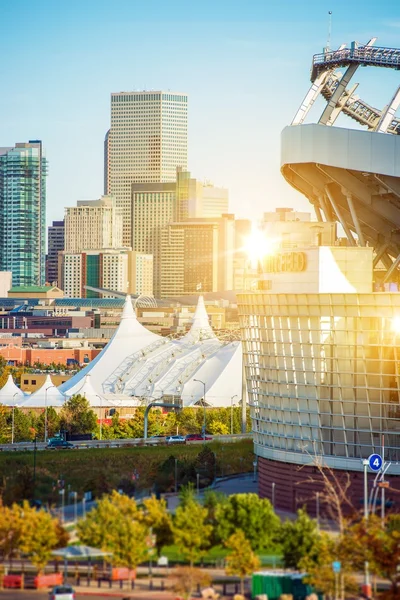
x=245, y=70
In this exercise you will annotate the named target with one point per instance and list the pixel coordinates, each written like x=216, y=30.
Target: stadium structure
x=321, y=334
x=138, y=366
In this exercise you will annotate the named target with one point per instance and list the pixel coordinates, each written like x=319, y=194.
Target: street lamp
x=232, y=397
x=101, y=422
x=12, y=417
x=75, y=497
x=62, y=493
x=45, y=413
x=204, y=406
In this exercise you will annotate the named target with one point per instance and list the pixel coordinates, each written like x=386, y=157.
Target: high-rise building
x=23, y=171
x=121, y=270
x=196, y=200
x=93, y=225
x=55, y=244
x=153, y=207
x=197, y=256
x=147, y=141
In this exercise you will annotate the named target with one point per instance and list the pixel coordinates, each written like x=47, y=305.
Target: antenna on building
x=328, y=43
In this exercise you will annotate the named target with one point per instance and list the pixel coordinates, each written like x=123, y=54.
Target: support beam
x=326, y=117
x=391, y=183
x=347, y=96
x=343, y=223
x=380, y=251
x=318, y=213
x=326, y=208
x=353, y=213
x=388, y=113
x=311, y=97
x=392, y=269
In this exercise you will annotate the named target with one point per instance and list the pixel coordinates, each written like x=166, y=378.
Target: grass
x=103, y=469
x=216, y=555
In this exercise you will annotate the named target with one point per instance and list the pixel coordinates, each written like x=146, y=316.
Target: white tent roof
x=42, y=398
x=200, y=328
x=88, y=391
x=115, y=358
x=11, y=394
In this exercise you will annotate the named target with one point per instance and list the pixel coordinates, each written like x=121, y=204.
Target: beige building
x=147, y=141
x=93, y=225
x=35, y=291
x=5, y=283
x=153, y=207
x=197, y=256
x=121, y=270
x=199, y=200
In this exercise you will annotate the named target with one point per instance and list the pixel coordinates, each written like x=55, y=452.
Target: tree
x=115, y=525
x=158, y=519
x=191, y=533
x=11, y=521
x=251, y=514
x=218, y=428
x=76, y=416
x=187, y=578
x=241, y=560
x=298, y=538
x=211, y=501
x=205, y=465
x=53, y=423
x=40, y=534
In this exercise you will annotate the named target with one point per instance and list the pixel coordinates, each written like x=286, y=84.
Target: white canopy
x=47, y=395
x=11, y=394
x=116, y=357
x=88, y=391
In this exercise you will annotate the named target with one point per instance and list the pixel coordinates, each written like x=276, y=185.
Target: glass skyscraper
x=23, y=171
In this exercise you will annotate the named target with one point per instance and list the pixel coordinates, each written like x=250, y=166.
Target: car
x=197, y=437
x=62, y=592
x=175, y=439
x=59, y=445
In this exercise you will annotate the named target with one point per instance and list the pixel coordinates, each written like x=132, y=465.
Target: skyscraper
x=55, y=244
x=93, y=225
x=23, y=171
x=147, y=141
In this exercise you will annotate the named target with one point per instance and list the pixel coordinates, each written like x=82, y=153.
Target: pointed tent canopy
x=88, y=391
x=200, y=328
x=130, y=337
x=10, y=394
x=47, y=395
x=79, y=552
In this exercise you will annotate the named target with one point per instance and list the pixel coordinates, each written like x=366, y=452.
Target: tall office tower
x=197, y=256
x=243, y=272
x=153, y=207
x=23, y=171
x=147, y=141
x=199, y=200
x=120, y=270
x=55, y=244
x=106, y=162
x=93, y=225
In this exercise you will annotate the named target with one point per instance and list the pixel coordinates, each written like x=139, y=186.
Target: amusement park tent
x=47, y=395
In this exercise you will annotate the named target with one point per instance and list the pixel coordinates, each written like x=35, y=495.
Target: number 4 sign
x=375, y=462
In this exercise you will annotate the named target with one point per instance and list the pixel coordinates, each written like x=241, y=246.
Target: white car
x=62, y=592
x=175, y=439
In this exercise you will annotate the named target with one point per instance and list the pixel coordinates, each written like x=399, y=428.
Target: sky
x=244, y=64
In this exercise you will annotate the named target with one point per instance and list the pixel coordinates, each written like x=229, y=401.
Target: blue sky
x=245, y=66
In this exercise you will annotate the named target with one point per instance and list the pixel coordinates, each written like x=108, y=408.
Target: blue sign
x=375, y=462
x=336, y=566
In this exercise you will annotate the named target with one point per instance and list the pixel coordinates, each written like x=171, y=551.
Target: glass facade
x=323, y=375
x=23, y=171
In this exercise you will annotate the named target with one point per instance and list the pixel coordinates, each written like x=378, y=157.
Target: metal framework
x=332, y=85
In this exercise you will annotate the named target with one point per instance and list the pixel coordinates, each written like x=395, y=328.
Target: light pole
x=273, y=495
x=84, y=506
x=62, y=492
x=45, y=413
x=255, y=471
x=12, y=417
x=232, y=397
x=317, y=509
x=366, y=565
x=204, y=406
x=101, y=422
x=198, y=483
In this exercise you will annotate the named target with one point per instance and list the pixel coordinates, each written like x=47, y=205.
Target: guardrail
x=20, y=446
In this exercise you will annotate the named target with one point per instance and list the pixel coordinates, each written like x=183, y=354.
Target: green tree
x=211, y=501
x=158, y=519
x=76, y=416
x=191, y=533
x=298, y=538
x=251, y=514
x=40, y=534
x=218, y=428
x=11, y=521
x=241, y=560
x=53, y=423
x=115, y=525
x=22, y=425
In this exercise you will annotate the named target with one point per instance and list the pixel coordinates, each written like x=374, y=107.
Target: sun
x=258, y=245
